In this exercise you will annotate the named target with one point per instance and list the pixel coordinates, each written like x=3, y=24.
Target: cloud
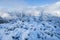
x=6, y=15
x=53, y=9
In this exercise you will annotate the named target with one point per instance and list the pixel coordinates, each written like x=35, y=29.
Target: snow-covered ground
x=29, y=27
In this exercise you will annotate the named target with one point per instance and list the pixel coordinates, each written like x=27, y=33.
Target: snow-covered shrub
x=28, y=27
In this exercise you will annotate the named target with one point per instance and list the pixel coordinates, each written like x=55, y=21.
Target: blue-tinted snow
x=28, y=27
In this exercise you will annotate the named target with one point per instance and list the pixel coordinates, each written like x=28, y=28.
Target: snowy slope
x=29, y=27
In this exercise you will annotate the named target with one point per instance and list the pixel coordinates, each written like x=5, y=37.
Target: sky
x=33, y=7
x=24, y=4
x=18, y=3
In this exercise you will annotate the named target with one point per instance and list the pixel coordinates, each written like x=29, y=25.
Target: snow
x=29, y=27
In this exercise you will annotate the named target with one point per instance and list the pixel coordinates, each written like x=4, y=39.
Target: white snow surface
x=28, y=27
